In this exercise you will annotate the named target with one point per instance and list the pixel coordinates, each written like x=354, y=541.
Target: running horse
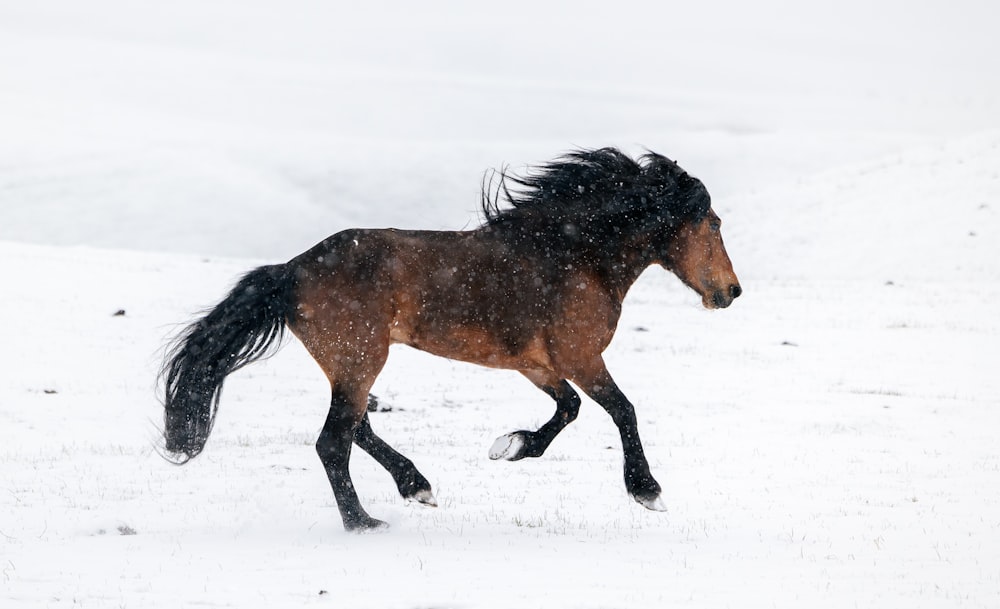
x=538, y=288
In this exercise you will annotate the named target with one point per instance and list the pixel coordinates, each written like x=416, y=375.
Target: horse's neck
x=625, y=269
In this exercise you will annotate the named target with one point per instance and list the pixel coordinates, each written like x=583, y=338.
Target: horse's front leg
x=639, y=482
x=523, y=443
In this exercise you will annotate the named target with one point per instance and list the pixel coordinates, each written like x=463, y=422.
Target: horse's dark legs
x=520, y=444
x=411, y=484
x=334, y=449
x=639, y=482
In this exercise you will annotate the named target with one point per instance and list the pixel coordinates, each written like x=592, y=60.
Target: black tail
x=238, y=331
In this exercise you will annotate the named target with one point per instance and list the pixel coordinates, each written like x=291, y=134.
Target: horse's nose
x=735, y=290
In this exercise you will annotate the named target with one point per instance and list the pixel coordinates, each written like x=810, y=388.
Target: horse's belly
x=476, y=346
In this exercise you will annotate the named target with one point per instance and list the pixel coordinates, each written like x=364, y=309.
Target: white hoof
x=507, y=447
x=424, y=498
x=654, y=503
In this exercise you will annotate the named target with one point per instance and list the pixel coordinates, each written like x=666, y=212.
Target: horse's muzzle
x=723, y=298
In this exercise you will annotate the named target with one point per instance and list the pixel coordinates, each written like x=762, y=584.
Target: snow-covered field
x=828, y=441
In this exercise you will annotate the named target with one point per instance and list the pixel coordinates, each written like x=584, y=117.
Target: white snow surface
x=828, y=441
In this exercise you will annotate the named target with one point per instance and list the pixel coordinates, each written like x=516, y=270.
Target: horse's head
x=688, y=237
x=696, y=254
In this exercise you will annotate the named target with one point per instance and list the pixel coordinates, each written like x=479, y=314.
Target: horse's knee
x=569, y=407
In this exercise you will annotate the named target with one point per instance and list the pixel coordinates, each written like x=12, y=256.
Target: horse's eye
x=715, y=225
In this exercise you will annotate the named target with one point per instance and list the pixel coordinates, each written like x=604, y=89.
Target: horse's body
x=460, y=295
x=537, y=289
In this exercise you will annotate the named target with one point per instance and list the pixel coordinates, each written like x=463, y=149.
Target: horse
x=537, y=288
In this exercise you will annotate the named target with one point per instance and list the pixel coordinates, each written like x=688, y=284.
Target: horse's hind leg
x=520, y=444
x=351, y=364
x=334, y=449
x=411, y=483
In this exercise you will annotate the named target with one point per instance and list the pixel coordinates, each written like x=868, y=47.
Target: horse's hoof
x=651, y=502
x=366, y=525
x=424, y=497
x=509, y=447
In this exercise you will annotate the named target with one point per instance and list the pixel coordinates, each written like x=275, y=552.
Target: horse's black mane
x=592, y=198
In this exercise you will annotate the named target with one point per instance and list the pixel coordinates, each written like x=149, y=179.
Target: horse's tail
x=238, y=331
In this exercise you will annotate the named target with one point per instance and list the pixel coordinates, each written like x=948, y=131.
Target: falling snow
x=827, y=441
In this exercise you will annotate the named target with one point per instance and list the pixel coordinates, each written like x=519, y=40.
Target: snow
x=827, y=441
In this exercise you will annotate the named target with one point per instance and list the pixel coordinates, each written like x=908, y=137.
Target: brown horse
x=538, y=289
